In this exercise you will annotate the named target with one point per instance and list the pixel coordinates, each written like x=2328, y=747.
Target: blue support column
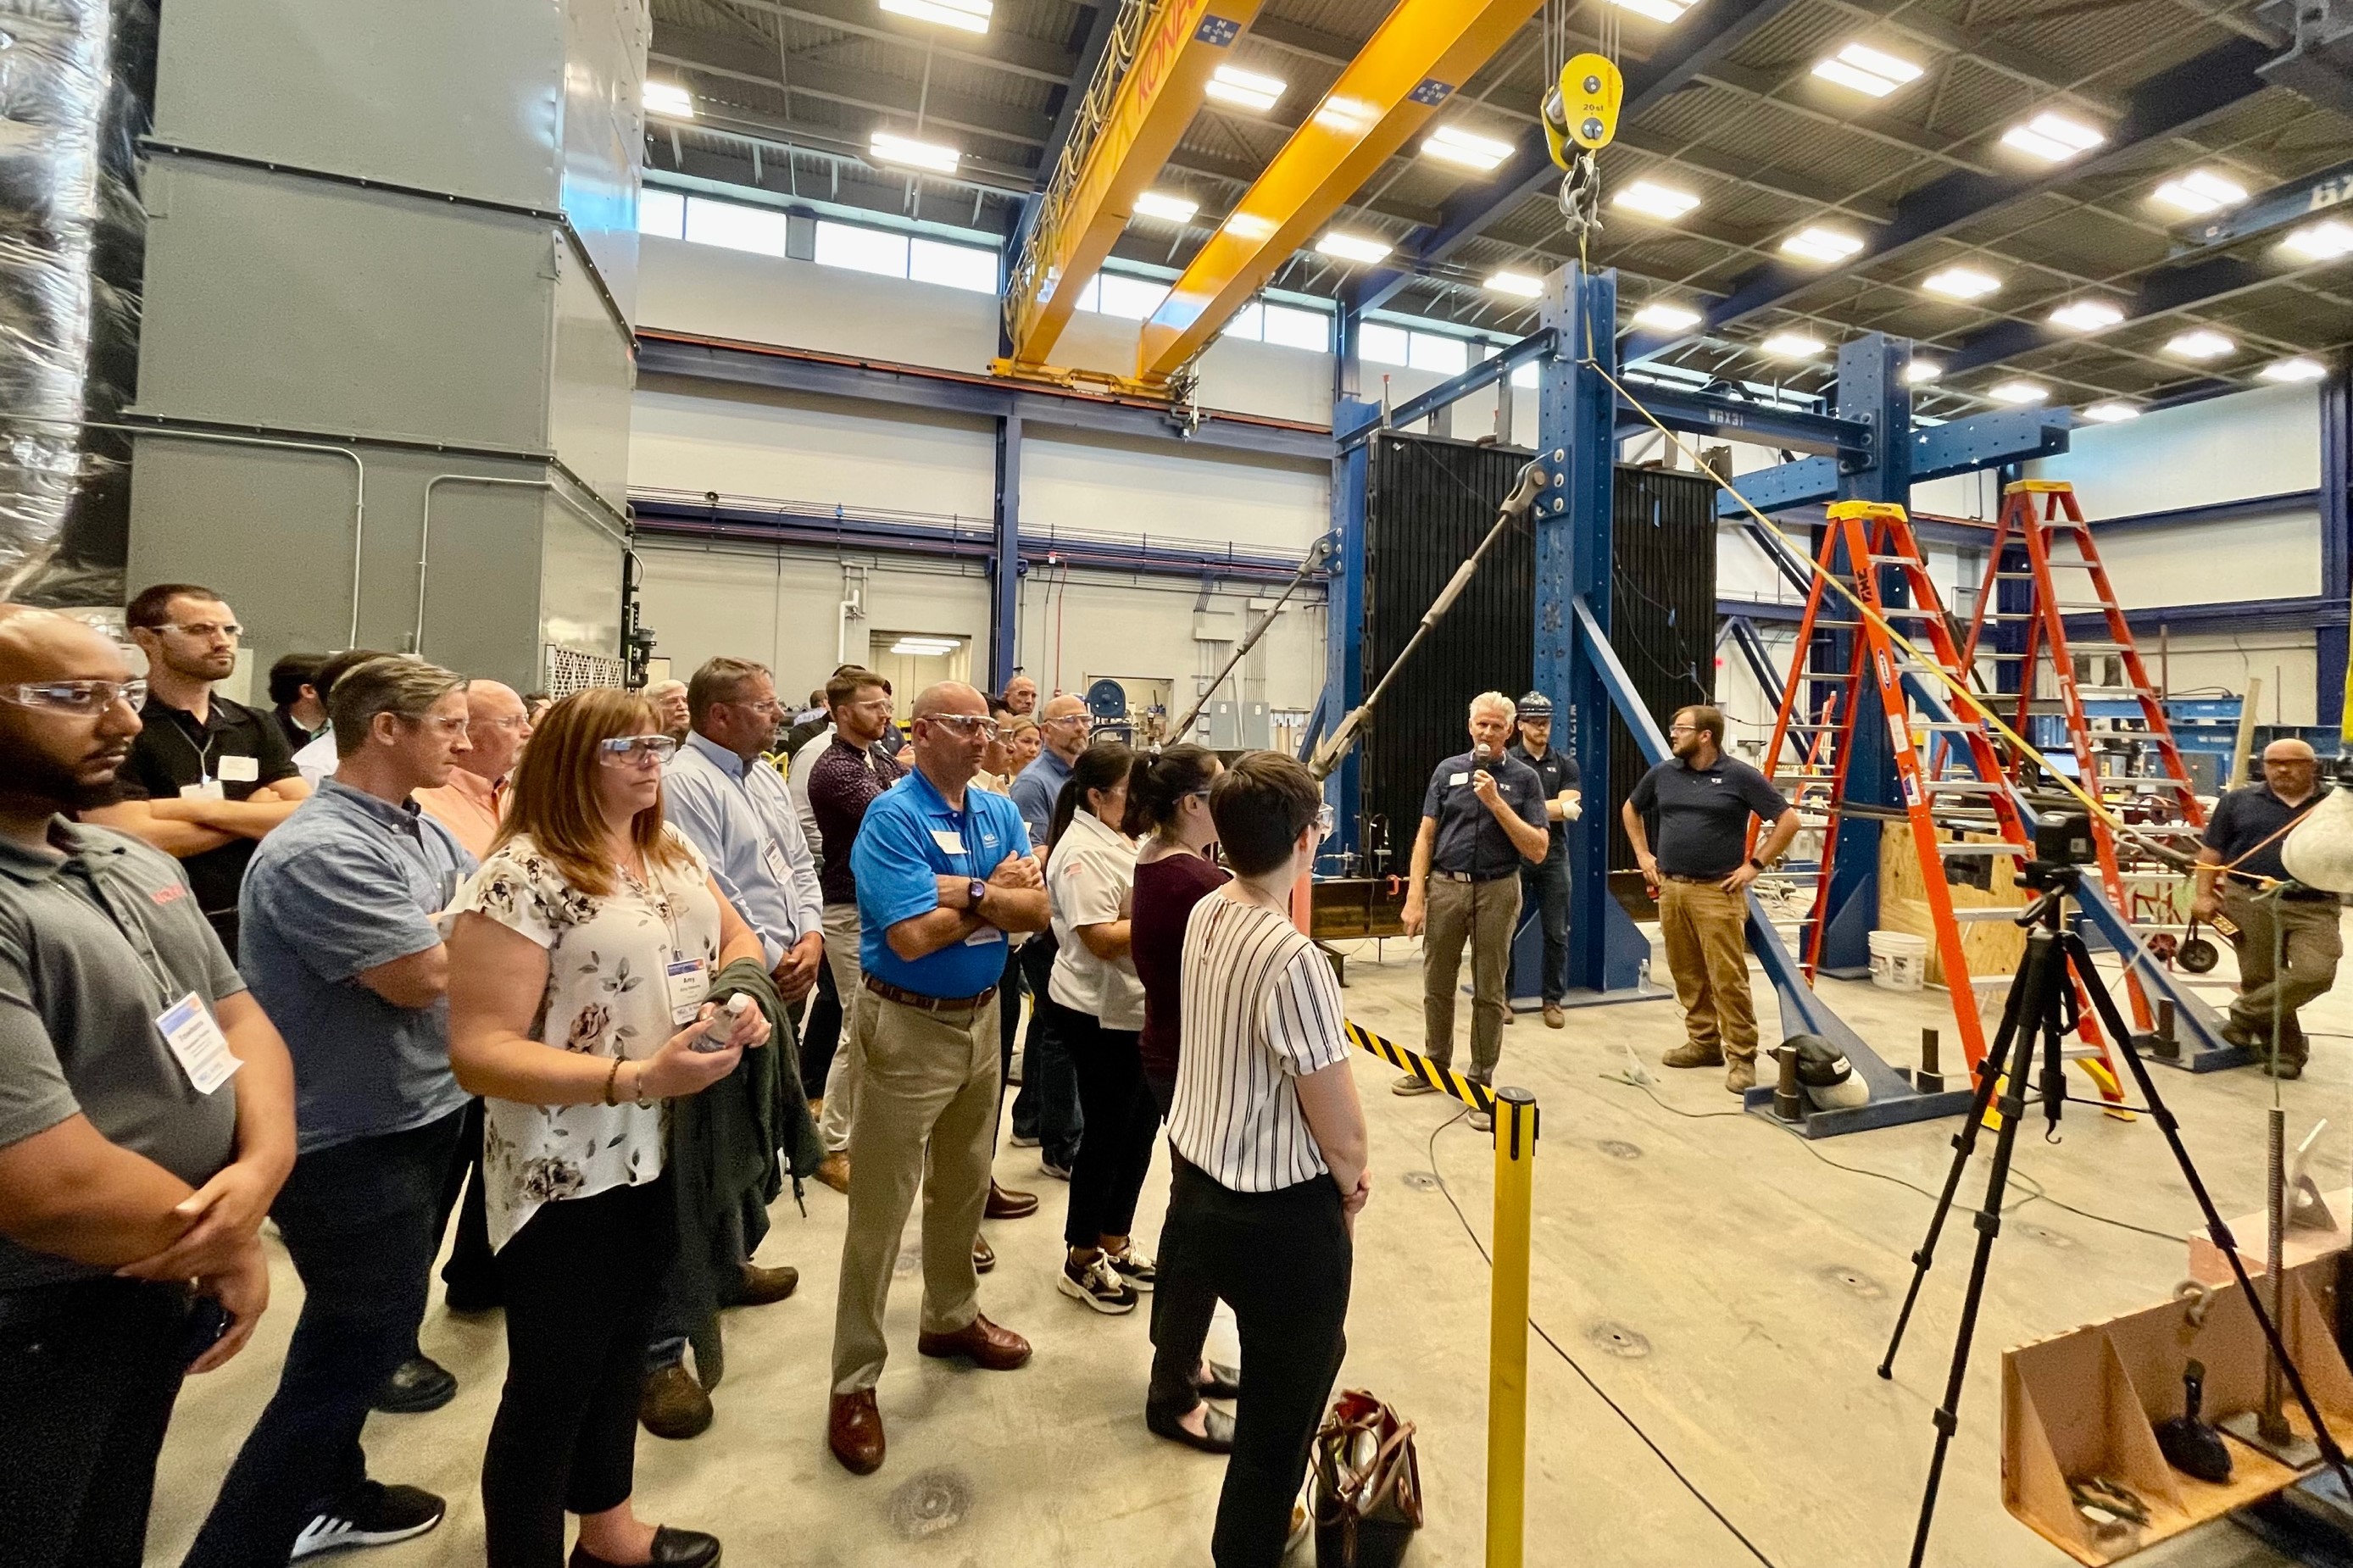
x=1871, y=387
x=1005, y=569
x=1343, y=620
x=2329, y=647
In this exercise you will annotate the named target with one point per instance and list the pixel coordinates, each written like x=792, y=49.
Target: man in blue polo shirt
x=944, y=873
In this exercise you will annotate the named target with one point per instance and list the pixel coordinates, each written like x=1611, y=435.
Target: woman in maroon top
x=1169, y=813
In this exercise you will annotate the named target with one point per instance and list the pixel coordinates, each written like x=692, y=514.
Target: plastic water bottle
x=723, y=1023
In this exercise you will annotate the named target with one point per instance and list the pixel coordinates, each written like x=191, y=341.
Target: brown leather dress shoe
x=853, y=1430
x=761, y=1286
x=673, y=1405
x=983, y=1256
x=981, y=1342
x=1004, y=1203
x=834, y=1172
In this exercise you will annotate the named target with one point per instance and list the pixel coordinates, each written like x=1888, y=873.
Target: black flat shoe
x=418, y=1385
x=1225, y=1383
x=1216, y=1422
x=672, y=1548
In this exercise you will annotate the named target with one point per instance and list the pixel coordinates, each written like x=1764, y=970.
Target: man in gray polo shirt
x=339, y=941
x=146, y=1118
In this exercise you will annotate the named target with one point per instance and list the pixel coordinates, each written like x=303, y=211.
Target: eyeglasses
x=627, y=751
x=966, y=724
x=88, y=699
x=448, y=726
x=1683, y=729
x=879, y=705
x=1081, y=719
x=512, y=722
x=205, y=631
x=1326, y=819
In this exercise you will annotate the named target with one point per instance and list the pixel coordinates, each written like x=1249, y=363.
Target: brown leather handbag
x=1368, y=1485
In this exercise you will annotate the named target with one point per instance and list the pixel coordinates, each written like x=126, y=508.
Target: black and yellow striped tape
x=1469, y=1091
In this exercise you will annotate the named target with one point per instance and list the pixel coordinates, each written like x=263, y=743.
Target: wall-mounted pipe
x=425, y=529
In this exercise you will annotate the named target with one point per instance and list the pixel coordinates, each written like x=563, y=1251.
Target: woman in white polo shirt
x=1095, y=1004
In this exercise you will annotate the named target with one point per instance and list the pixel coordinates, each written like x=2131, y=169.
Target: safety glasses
x=86, y=698
x=635, y=751
x=966, y=724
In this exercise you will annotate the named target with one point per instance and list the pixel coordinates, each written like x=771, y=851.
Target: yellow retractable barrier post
x=1514, y=1112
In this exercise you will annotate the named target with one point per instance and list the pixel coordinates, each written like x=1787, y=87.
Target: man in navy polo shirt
x=943, y=872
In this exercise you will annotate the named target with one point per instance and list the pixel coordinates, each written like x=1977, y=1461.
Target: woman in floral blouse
x=579, y=962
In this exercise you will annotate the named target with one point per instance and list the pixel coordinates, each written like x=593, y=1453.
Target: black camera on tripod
x=2063, y=845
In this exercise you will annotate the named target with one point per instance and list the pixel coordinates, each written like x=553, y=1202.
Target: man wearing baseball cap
x=1543, y=884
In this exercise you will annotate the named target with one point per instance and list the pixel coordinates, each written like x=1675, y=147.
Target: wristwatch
x=1756, y=862
x=973, y=893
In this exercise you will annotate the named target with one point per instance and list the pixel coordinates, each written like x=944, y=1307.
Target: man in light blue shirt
x=733, y=808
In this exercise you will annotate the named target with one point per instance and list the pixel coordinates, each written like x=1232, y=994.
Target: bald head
x=671, y=709
x=2290, y=770
x=33, y=641
x=2290, y=751
x=61, y=747
x=950, y=697
x=497, y=724
x=1063, y=723
x=951, y=734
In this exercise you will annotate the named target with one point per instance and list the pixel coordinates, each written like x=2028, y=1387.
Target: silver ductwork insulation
x=77, y=91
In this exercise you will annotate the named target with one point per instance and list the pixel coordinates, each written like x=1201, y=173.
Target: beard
x=60, y=785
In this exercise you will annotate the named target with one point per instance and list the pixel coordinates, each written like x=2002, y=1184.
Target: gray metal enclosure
x=391, y=272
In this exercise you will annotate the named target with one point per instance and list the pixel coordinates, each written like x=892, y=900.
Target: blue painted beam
x=1703, y=36
x=981, y=396
x=1479, y=377
x=1939, y=452
x=1005, y=560
x=2280, y=207
x=2331, y=647
x=2166, y=105
x=2188, y=287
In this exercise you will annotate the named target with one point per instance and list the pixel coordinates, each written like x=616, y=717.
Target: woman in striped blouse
x=1270, y=1152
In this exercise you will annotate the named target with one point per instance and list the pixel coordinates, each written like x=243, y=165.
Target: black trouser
x=1122, y=1125
x=1048, y=1107
x=1544, y=889
x=87, y=1375
x=358, y=1221
x=820, y=1034
x=580, y=1279
x=1283, y=1259
x=1009, y=987
x=470, y=1280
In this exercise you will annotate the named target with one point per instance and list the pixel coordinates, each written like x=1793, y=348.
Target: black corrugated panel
x=1428, y=502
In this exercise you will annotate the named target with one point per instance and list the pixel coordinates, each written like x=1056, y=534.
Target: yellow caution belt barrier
x=1514, y=1113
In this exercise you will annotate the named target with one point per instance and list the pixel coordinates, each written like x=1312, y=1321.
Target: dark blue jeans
x=1047, y=1109
x=359, y=1221
x=1544, y=889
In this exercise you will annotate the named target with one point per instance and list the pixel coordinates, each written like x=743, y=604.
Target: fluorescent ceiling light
x=1245, y=89
x=1665, y=317
x=1867, y=70
x=1519, y=285
x=2054, y=138
x=2087, y=316
x=1250, y=228
x=1816, y=244
x=2297, y=369
x=1349, y=115
x=2323, y=241
x=1922, y=371
x=1354, y=247
x=1961, y=283
x=669, y=99
x=1656, y=200
x=2198, y=192
x=2019, y=392
x=1657, y=10
x=889, y=147
x=924, y=647
x=2200, y=343
x=1452, y=145
x=2111, y=411
x=1159, y=205
x=971, y=15
x=1791, y=345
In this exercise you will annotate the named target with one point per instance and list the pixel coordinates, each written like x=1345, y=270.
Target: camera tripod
x=2042, y=1005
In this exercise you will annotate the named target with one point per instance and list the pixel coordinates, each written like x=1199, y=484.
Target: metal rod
x=2274, y=1425
x=1317, y=554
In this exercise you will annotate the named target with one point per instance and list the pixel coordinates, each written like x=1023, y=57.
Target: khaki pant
x=2307, y=929
x=1707, y=952
x=841, y=1075
x=1484, y=913
x=927, y=1114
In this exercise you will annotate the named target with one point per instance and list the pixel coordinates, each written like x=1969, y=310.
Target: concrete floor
x=1719, y=1280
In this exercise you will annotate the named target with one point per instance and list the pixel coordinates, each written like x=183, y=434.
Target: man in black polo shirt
x=1482, y=818
x=1546, y=883
x=2243, y=853
x=1700, y=877
x=207, y=778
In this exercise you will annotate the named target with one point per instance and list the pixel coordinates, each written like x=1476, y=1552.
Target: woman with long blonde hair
x=580, y=960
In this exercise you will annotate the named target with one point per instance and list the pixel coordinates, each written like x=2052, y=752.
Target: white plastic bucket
x=1899, y=961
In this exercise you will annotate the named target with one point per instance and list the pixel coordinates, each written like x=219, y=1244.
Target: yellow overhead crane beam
x=1089, y=199
x=1421, y=53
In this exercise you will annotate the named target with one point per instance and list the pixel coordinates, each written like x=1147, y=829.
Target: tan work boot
x=1691, y=1054
x=673, y=1405
x=1553, y=1017
x=834, y=1171
x=1740, y=1075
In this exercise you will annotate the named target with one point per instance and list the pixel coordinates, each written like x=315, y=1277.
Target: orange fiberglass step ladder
x=2118, y=732
x=1860, y=541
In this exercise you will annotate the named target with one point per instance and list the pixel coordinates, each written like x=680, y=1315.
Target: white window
x=662, y=213
x=1380, y=344
x=1524, y=375
x=1431, y=351
x=1310, y=330
x=735, y=226
x=1130, y=299
x=1090, y=296
x=953, y=266
x=1248, y=322
x=861, y=249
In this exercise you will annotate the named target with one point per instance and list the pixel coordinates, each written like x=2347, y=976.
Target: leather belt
x=1467, y=877
x=1695, y=881
x=906, y=998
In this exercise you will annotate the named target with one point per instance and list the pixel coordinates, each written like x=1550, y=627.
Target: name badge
x=986, y=936
x=240, y=770
x=197, y=1041
x=209, y=789
x=774, y=859
x=950, y=841
x=1459, y=779
x=689, y=985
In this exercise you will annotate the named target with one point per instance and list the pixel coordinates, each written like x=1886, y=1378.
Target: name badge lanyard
x=658, y=898
x=202, y=752
x=134, y=933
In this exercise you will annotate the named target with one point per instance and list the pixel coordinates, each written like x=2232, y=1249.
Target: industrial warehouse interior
x=1141, y=782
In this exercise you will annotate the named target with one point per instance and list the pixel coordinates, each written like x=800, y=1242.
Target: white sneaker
x=1097, y=1284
